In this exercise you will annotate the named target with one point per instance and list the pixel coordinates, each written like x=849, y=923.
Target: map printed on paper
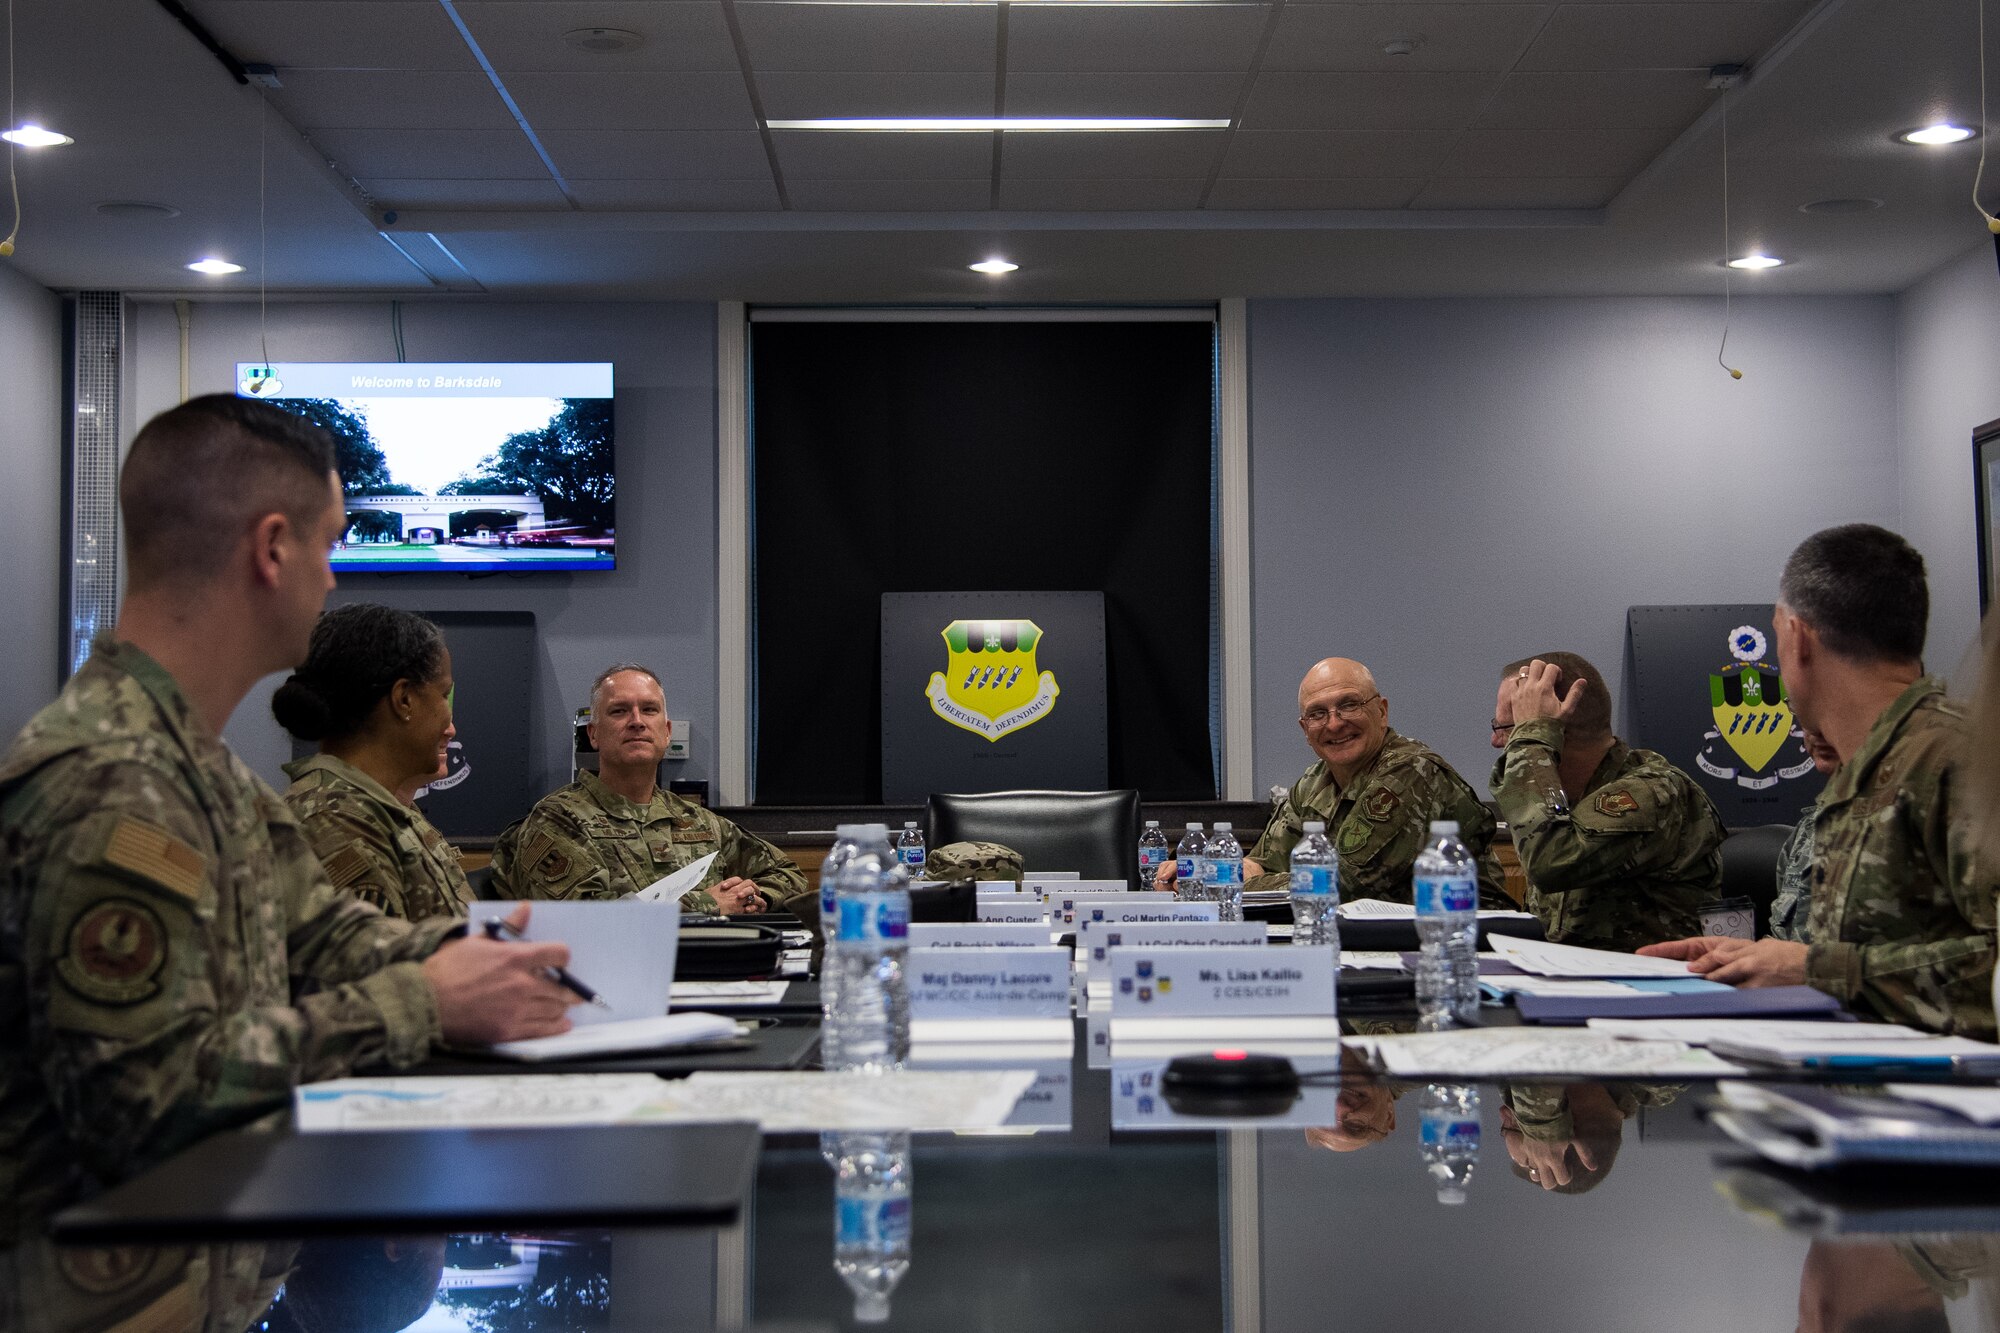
x=491, y=1102
x=1526, y=1053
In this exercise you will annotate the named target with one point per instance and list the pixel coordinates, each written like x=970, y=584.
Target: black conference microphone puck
x=1230, y=1083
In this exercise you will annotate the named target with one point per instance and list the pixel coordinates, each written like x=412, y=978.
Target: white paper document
x=634, y=1034
x=672, y=888
x=1536, y=1052
x=1381, y=909
x=1698, y=1031
x=909, y=1099
x=1569, y=960
x=1372, y=960
x=623, y=950
x=1979, y=1105
x=1565, y=987
x=475, y=1102
x=694, y=994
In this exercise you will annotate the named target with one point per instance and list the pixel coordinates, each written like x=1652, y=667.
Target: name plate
x=1095, y=939
x=1221, y=983
x=1132, y=908
x=983, y=935
x=991, y=983
x=1073, y=888
x=1018, y=908
x=998, y=888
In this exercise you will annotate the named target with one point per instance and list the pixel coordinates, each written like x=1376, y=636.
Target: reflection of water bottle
x=871, y=1012
x=910, y=848
x=1316, y=891
x=829, y=916
x=1225, y=873
x=871, y=1218
x=1187, y=865
x=1446, y=887
x=1152, y=853
x=1448, y=1126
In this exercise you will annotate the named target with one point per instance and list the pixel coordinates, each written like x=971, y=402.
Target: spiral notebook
x=1816, y=1128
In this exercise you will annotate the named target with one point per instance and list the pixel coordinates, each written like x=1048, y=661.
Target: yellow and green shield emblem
x=990, y=685
x=1751, y=712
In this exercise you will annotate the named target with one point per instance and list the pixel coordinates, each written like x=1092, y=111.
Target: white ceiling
x=1533, y=148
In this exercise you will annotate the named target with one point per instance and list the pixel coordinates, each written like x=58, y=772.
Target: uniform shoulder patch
x=346, y=866
x=115, y=952
x=1381, y=804
x=154, y=854
x=553, y=864
x=1353, y=836
x=101, y=1272
x=1616, y=803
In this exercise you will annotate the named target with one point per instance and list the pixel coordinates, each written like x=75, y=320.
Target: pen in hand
x=495, y=928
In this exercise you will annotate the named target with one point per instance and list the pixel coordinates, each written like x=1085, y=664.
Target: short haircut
x=622, y=667
x=357, y=653
x=199, y=474
x=1863, y=591
x=1593, y=715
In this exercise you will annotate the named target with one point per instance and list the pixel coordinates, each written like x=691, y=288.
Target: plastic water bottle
x=1316, y=890
x=910, y=849
x=871, y=1011
x=1225, y=873
x=1446, y=885
x=871, y=1218
x=1448, y=1128
x=1152, y=853
x=829, y=917
x=1187, y=864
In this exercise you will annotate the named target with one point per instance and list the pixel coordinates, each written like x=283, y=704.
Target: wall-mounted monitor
x=461, y=468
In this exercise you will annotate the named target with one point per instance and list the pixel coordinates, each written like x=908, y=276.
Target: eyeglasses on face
x=1344, y=709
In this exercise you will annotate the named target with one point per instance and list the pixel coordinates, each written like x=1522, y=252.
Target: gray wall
x=31, y=451
x=1440, y=486
x=658, y=606
x=1947, y=383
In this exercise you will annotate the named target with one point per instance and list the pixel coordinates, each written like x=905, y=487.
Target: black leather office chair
x=1095, y=833
x=481, y=881
x=1750, y=867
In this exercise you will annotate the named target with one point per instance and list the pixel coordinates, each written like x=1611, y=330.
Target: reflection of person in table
x=1866, y=1287
x=1565, y=1137
x=1367, y=1101
x=46, y=1288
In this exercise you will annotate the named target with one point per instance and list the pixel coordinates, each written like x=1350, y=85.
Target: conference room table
x=1089, y=1221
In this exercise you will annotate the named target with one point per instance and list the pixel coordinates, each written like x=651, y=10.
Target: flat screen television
x=461, y=468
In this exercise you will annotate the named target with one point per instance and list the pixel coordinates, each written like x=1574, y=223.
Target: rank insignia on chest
x=1616, y=803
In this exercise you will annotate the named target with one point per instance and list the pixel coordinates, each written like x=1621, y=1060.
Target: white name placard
x=981, y=935
x=988, y=983
x=1071, y=875
x=983, y=887
x=1095, y=939
x=1018, y=908
x=1220, y=983
x=1132, y=908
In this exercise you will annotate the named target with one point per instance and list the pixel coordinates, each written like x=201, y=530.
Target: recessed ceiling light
x=1755, y=261
x=1937, y=134
x=603, y=41
x=133, y=208
x=976, y=124
x=34, y=136
x=995, y=266
x=1859, y=205
x=215, y=266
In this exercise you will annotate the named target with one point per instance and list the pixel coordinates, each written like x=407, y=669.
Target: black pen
x=495, y=925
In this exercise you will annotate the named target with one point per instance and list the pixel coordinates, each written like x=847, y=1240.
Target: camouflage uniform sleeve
x=548, y=857
x=358, y=852
x=1622, y=828
x=1476, y=829
x=776, y=876
x=1792, y=907
x=1287, y=825
x=139, y=1051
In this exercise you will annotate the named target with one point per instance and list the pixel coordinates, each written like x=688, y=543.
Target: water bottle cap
x=843, y=832
x=1315, y=826
x=1193, y=827
x=1451, y=1194
x=1152, y=823
x=871, y=1307
x=875, y=832
x=1445, y=826
x=1223, y=826
x=909, y=823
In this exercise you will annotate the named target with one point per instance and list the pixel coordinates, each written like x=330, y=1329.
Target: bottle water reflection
x=871, y=1216
x=1448, y=1125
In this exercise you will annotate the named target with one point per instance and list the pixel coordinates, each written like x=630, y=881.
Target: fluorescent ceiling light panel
x=993, y=266
x=987, y=124
x=216, y=267
x=1755, y=261
x=1937, y=134
x=34, y=136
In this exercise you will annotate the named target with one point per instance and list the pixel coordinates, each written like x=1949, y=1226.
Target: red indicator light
x=1232, y=1055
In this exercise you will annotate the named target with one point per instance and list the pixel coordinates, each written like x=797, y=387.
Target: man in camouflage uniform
x=173, y=959
x=372, y=844
x=614, y=832
x=1620, y=848
x=1377, y=792
x=1791, y=909
x=1902, y=914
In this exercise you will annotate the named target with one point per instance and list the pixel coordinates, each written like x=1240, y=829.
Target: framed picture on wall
x=1986, y=501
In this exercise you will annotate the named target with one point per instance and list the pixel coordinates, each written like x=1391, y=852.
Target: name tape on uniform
x=1019, y=908
x=1221, y=983
x=991, y=983
x=1131, y=908
x=980, y=935
x=1095, y=939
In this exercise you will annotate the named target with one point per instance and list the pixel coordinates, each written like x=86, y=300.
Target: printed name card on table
x=1020, y=909
x=988, y=983
x=1096, y=939
x=995, y=888
x=1236, y=982
x=1053, y=889
x=1131, y=909
x=980, y=935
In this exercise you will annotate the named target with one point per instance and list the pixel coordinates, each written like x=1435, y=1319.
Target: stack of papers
x=1947, y=1055
x=1380, y=909
x=734, y=994
x=1698, y=1031
x=633, y=1034
x=1535, y=1053
x=1568, y=960
x=1815, y=1127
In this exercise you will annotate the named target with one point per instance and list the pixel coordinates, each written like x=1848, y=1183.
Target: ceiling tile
x=1654, y=36
x=328, y=34
x=1052, y=157
x=725, y=196
x=1520, y=192
x=391, y=99
x=810, y=96
x=1620, y=153
x=821, y=155
x=1197, y=96
x=1239, y=192
x=425, y=193
x=658, y=154
x=1624, y=100
x=1336, y=155
x=437, y=155
x=1461, y=37
x=1101, y=196
x=1301, y=101
x=639, y=100
x=528, y=34
x=866, y=196
x=953, y=38
x=1046, y=38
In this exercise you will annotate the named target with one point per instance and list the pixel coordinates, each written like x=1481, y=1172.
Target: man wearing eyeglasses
x=1621, y=848
x=1377, y=792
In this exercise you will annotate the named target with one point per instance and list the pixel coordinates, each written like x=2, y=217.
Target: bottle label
x=1312, y=881
x=1152, y=857
x=1453, y=893
x=1187, y=867
x=874, y=1223
x=913, y=857
x=1225, y=872
x=1440, y=1130
x=873, y=916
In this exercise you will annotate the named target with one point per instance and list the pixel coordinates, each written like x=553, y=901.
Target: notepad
x=623, y=950
x=667, y=1032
